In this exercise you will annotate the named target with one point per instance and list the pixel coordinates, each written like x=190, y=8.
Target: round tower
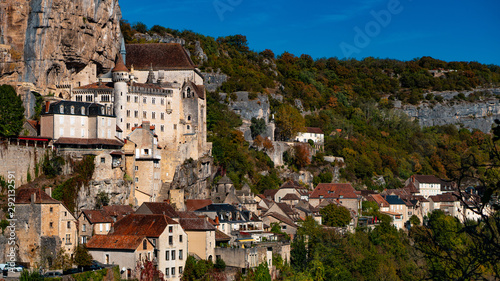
x=120, y=78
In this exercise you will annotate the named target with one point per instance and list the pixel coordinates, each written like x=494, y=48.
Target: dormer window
x=61, y=109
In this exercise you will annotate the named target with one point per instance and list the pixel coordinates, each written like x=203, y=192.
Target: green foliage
x=261, y=273
x=11, y=112
x=101, y=200
x=27, y=275
x=220, y=264
x=82, y=257
x=97, y=275
x=334, y=215
x=38, y=106
x=298, y=254
x=201, y=270
x=3, y=225
x=288, y=121
x=414, y=220
x=140, y=27
x=52, y=164
x=369, y=207
x=324, y=177
x=258, y=127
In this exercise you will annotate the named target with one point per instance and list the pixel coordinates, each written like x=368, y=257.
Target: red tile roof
x=89, y=141
x=159, y=56
x=97, y=216
x=161, y=208
x=445, y=197
x=314, y=130
x=195, y=204
x=117, y=242
x=334, y=190
x=290, y=196
x=97, y=85
x=378, y=199
x=269, y=193
x=119, y=65
x=281, y=218
x=147, y=225
x=426, y=179
x=193, y=224
x=221, y=236
x=118, y=211
x=24, y=196
x=290, y=184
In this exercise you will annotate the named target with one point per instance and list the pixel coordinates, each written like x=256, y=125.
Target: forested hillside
x=352, y=101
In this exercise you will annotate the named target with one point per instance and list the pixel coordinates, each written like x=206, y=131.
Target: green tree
x=262, y=273
x=27, y=275
x=140, y=27
x=11, y=112
x=414, y=220
x=82, y=257
x=289, y=121
x=334, y=215
x=101, y=200
x=298, y=254
x=258, y=127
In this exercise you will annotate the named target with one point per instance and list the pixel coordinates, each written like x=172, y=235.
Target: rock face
x=50, y=42
x=478, y=115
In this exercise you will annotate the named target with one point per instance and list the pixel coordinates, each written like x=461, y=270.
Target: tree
x=140, y=27
x=414, y=220
x=302, y=155
x=82, y=257
x=258, y=127
x=149, y=271
x=289, y=121
x=334, y=215
x=11, y=112
x=101, y=200
x=298, y=254
x=262, y=273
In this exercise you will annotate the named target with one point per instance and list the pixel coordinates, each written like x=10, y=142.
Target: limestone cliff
x=50, y=42
x=472, y=115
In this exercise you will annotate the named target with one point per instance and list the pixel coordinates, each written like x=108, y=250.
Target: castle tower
x=120, y=79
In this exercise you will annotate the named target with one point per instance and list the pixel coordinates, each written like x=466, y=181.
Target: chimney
x=145, y=124
x=48, y=190
x=47, y=105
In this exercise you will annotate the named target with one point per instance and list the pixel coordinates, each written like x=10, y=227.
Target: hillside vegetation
x=350, y=100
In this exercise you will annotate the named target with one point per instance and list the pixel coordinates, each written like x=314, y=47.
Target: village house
x=165, y=234
x=99, y=222
x=45, y=225
x=200, y=235
x=127, y=251
x=311, y=133
x=425, y=185
x=343, y=193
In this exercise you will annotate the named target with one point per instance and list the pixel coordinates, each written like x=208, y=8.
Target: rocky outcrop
x=472, y=115
x=213, y=80
x=118, y=192
x=48, y=43
x=158, y=38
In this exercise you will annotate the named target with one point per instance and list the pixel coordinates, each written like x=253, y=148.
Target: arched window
x=83, y=110
x=188, y=127
x=189, y=117
x=188, y=92
x=72, y=110
x=61, y=109
x=102, y=110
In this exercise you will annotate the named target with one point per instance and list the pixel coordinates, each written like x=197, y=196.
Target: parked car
x=50, y=274
x=72, y=271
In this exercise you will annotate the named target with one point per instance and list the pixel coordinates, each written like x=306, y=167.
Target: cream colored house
x=201, y=237
x=126, y=251
x=167, y=236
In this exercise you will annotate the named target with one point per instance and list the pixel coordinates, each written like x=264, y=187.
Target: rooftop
x=158, y=56
x=334, y=190
x=118, y=242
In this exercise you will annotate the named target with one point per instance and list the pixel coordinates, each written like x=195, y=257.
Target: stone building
x=45, y=226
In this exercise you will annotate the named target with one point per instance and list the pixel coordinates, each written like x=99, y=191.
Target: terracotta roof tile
x=269, y=193
x=334, y=190
x=79, y=141
x=147, y=225
x=281, y=218
x=97, y=85
x=314, y=130
x=378, y=199
x=119, y=65
x=290, y=196
x=427, y=179
x=195, y=204
x=24, y=196
x=445, y=197
x=161, y=208
x=159, y=56
x=221, y=236
x=118, y=242
x=118, y=211
x=196, y=224
x=97, y=216
x=290, y=184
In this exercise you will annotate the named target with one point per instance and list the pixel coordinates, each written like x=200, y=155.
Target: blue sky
x=451, y=30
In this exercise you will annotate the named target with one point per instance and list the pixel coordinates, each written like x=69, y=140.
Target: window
x=171, y=240
x=167, y=255
x=103, y=160
x=84, y=227
x=144, y=244
x=136, y=99
x=283, y=227
x=136, y=179
x=180, y=238
x=180, y=254
x=128, y=98
x=128, y=113
x=170, y=229
x=68, y=238
x=144, y=100
x=180, y=269
x=189, y=117
x=51, y=209
x=61, y=109
x=68, y=225
x=146, y=151
x=72, y=110
x=136, y=114
x=83, y=109
x=153, y=115
x=162, y=101
x=162, y=128
x=65, y=214
x=100, y=227
x=173, y=271
x=173, y=255
x=144, y=114
x=84, y=239
x=188, y=127
x=167, y=272
x=153, y=100
x=137, y=168
x=175, y=126
x=128, y=126
x=162, y=116
x=51, y=224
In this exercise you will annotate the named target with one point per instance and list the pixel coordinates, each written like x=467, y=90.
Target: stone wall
x=20, y=159
x=214, y=80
